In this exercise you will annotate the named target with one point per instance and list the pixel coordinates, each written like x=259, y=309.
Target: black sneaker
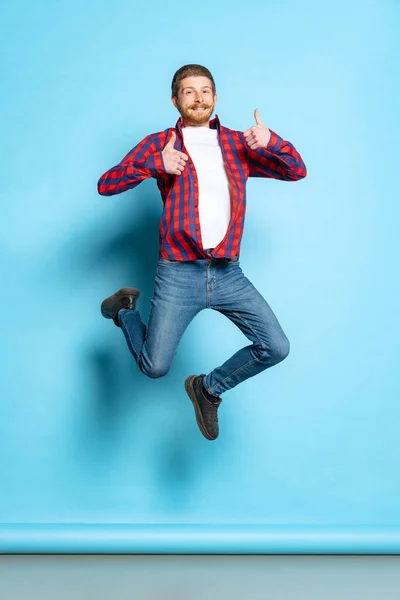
x=205, y=409
x=124, y=298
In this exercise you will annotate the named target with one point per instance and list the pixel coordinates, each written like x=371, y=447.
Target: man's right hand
x=174, y=161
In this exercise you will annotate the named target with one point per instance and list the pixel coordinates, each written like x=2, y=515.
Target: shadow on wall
x=123, y=414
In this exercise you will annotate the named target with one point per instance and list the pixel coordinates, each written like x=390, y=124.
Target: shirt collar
x=214, y=124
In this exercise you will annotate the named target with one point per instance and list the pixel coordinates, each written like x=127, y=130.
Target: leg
x=237, y=298
x=173, y=306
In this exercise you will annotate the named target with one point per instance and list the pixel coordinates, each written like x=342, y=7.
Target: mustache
x=192, y=106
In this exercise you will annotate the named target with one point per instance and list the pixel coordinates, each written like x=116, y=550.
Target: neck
x=190, y=124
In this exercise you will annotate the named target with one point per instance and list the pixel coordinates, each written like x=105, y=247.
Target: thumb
x=257, y=117
x=172, y=139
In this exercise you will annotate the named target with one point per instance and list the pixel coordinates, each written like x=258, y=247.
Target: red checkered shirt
x=180, y=233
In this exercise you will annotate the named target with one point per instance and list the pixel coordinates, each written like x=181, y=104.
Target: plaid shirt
x=180, y=233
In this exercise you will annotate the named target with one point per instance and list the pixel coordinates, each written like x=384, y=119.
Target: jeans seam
x=248, y=362
x=251, y=328
x=126, y=330
x=233, y=373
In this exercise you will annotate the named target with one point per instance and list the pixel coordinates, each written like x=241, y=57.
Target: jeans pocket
x=165, y=262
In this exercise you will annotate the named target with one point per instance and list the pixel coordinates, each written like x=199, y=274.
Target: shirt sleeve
x=278, y=160
x=142, y=162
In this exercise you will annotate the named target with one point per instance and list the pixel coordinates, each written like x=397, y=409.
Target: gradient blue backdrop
x=85, y=437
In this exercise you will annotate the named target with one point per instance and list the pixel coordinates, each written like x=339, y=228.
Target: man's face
x=195, y=100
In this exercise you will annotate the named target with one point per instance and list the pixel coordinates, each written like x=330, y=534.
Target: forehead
x=195, y=82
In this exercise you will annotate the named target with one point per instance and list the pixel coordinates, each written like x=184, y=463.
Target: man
x=201, y=168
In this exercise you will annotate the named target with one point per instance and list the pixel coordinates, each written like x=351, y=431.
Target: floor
x=195, y=577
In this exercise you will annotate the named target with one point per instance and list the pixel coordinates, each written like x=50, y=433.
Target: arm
x=279, y=159
x=268, y=155
x=142, y=162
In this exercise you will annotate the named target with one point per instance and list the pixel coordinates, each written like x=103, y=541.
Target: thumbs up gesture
x=257, y=136
x=174, y=161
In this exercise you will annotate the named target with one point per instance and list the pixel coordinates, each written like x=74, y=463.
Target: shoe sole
x=199, y=419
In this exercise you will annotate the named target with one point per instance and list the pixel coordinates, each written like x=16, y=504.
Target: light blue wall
x=85, y=437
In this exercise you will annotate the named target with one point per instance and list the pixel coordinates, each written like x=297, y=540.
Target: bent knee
x=276, y=352
x=281, y=350
x=155, y=370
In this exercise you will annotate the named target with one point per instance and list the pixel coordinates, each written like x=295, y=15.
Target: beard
x=196, y=114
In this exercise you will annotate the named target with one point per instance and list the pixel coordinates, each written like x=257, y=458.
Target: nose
x=198, y=97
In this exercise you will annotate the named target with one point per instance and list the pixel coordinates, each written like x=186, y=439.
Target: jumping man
x=201, y=169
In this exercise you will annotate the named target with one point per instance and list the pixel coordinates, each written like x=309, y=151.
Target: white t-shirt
x=214, y=196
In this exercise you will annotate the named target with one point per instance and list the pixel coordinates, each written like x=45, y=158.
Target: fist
x=257, y=136
x=174, y=161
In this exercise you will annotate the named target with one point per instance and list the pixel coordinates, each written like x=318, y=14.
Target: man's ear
x=173, y=100
x=215, y=98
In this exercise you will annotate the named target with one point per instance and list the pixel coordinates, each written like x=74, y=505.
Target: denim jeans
x=181, y=291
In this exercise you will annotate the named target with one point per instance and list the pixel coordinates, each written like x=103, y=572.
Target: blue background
x=84, y=436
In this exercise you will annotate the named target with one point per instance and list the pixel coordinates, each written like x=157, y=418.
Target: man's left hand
x=257, y=136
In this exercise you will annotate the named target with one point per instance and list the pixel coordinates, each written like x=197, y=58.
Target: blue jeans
x=181, y=291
